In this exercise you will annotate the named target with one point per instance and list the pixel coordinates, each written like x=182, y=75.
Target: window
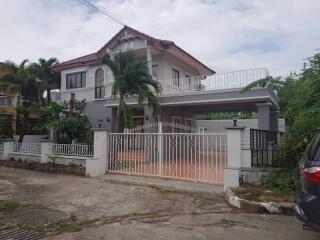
x=76, y=80
x=188, y=123
x=178, y=121
x=99, y=84
x=175, y=77
x=155, y=71
x=188, y=81
x=5, y=101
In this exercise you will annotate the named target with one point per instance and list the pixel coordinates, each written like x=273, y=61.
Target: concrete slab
x=101, y=209
x=166, y=183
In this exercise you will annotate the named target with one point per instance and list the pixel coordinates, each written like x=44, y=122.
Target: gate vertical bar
x=160, y=170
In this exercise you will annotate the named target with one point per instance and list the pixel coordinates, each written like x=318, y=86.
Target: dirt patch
x=34, y=215
x=261, y=194
x=45, y=167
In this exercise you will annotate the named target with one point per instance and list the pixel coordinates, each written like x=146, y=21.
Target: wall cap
x=99, y=130
x=235, y=128
x=232, y=168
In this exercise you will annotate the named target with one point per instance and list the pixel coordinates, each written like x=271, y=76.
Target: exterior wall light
x=235, y=122
x=100, y=123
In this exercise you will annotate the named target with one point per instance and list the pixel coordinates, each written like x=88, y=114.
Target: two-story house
x=189, y=87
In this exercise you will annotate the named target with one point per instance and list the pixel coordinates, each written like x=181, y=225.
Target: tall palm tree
x=132, y=78
x=47, y=79
x=15, y=77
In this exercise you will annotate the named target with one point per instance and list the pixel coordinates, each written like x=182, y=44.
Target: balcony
x=181, y=86
x=222, y=81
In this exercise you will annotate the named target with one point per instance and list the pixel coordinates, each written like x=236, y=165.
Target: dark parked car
x=307, y=207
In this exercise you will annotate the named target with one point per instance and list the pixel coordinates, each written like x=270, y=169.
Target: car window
x=313, y=149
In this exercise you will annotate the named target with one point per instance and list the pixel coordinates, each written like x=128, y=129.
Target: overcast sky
x=224, y=34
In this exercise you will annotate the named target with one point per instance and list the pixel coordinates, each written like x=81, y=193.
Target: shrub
x=282, y=182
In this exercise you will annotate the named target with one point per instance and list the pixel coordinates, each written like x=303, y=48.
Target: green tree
x=47, y=79
x=18, y=79
x=132, y=78
x=299, y=100
x=67, y=120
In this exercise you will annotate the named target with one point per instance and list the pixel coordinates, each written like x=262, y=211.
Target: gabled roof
x=158, y=44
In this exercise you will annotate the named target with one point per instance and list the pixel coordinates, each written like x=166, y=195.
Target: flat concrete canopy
x=230, y=99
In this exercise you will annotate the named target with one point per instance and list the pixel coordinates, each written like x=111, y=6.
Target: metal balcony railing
x=229, y=80
x=194, y=84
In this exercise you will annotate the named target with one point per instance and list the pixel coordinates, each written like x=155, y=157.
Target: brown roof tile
x=160, y=44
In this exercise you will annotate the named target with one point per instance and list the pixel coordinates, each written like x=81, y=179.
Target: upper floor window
x=155, y=71
x=5, y=101
x=76, y=80
x=99, y=83
x=175, y=77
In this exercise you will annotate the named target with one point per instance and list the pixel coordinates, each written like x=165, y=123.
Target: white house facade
x=189, y=87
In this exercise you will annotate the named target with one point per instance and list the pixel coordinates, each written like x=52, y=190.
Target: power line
x=93, y=7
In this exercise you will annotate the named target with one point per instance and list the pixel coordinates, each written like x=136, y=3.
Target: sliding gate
x=189, y=156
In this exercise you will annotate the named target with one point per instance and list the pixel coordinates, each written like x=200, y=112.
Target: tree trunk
x=24, y=128
x=48, y=95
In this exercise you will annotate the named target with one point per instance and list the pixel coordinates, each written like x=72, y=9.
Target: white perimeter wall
x=219, y=126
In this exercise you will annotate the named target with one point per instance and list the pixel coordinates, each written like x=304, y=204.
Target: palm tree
x=132, y=78
x=18, y=79
x=24, y=111
x=14, y=76
x=47, y=79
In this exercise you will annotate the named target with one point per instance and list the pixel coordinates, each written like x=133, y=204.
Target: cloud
x=224, y=34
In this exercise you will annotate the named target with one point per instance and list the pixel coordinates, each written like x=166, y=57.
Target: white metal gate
x=190, y=156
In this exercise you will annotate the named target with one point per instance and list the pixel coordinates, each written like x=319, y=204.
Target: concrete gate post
x=98, y=164
x=46, y=150
x=7, y=148
x=234, y=163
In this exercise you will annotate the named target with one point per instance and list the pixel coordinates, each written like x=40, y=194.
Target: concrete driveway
x=96, y=208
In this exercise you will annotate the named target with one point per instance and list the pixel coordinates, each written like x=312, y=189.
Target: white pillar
x=263, y=112
x=46, y=150
x=98, y=164
x=7, y=148
x=234, y=163
x=149, y=59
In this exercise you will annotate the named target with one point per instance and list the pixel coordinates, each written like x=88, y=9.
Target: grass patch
x=54, y=229
x=8, y=206
x=261, y=194
x=282, y=182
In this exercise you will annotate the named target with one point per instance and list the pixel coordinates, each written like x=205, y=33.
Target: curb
x=258, y=207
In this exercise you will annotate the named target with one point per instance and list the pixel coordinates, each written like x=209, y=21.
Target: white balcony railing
x=229, y=80
x=195, y=84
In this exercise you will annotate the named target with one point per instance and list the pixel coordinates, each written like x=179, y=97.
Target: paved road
x=109, y=210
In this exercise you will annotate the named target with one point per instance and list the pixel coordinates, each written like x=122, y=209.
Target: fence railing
x=78, y=150
x=264, y=146
x=236, y=79
x=31, y=148
x=193, y=156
